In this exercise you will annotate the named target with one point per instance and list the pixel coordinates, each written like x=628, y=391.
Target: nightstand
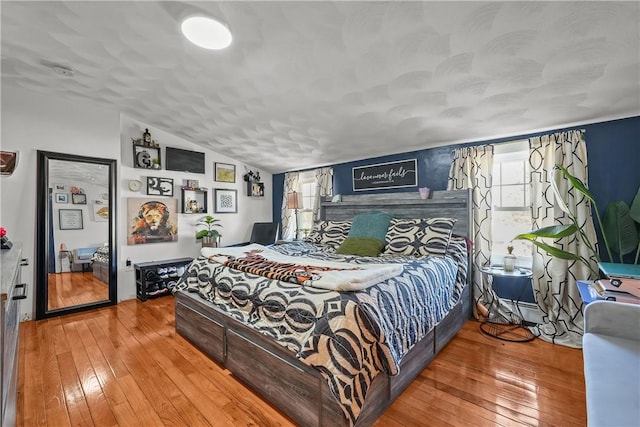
x=511, y=328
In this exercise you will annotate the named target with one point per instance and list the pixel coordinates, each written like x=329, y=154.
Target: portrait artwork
x=151, y=220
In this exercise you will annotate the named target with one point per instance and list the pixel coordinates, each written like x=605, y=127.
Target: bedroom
x=44, y=111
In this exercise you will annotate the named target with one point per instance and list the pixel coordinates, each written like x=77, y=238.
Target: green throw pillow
x=361, y=246
x=373, y=225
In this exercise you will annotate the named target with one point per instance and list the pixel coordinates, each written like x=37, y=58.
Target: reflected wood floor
x=125, y=365
x=68, y=289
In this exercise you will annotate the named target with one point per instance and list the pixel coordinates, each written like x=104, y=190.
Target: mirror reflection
x=75, y=228
x=80, y=234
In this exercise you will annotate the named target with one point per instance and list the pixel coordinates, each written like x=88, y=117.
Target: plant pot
x=209, y=242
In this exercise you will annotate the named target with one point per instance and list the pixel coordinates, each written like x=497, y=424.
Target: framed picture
x=225, y=172
x=70, y=219
x=226, y=200
x=79, y=199
x=146, y=157
x=62, y=198
x=8, y=162
x=157, y=186
x=399, y=174
x=151, y=220
x=100, y=212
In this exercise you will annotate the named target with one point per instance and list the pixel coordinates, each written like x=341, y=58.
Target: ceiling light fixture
x=206, y=32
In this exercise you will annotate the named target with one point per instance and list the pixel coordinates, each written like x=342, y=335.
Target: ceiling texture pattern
x=305, y=84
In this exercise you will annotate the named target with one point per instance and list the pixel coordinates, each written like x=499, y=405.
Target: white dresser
x=11, y=292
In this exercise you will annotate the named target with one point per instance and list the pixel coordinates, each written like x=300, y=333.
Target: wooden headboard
x=443, y=204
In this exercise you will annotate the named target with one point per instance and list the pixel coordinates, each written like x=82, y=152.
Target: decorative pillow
x=374, y=225
x=330, y=233
x=419, y=237
x=361, y=246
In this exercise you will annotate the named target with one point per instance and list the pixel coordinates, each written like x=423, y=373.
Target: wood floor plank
x=53, y=393
x=128, y=362
x=93, y=393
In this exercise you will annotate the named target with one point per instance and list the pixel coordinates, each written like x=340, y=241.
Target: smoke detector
x=59, y=69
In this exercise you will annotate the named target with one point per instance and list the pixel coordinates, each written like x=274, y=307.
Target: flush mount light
x=206, y=32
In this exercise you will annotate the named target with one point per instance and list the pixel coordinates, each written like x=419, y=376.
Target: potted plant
x=209, y=234
x=619, y=231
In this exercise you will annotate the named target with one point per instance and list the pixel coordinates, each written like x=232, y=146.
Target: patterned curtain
x=324, y=188
x=554, y=280
x=289, y=225
x=472, y=168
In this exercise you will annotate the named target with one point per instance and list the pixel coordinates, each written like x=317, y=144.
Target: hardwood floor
x=68, y=289
x=125, y=365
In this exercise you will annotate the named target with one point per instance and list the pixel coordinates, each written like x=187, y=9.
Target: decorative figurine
x=146, y=137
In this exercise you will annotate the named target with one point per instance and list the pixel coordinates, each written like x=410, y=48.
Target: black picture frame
x=62, y=197
x=225, y=201
x=79, y=199
x=399, y=174
x=224, y=172
x=146, y=157
x=159, y=186
x=70, y=219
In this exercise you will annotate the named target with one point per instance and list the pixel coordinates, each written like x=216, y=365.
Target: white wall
x=36, y=121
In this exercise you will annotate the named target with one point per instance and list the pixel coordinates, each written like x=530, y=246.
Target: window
x=307, y=187
x=511, y=211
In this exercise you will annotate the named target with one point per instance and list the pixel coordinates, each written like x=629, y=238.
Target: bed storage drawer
x=280, y=381
x=449, y=326
x=203, y=332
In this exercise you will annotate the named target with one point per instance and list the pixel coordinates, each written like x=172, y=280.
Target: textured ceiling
x=313, y=83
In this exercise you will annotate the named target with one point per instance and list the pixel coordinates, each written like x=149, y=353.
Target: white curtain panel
x=289, y=225
x=472, y=168
x=324, y=188
x=554, y=280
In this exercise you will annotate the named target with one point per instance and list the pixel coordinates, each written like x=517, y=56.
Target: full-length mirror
x=76, y=229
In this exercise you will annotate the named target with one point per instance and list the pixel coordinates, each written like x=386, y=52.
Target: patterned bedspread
x=348, y=336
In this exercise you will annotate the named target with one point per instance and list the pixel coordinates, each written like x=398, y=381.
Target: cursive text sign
x=386, y=175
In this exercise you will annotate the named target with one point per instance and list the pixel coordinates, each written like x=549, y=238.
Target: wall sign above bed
x=386, y=175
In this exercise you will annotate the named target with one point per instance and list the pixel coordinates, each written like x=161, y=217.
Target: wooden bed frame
x=295, y=388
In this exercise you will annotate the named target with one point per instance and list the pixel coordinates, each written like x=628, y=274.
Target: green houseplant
x=209, y=234
x=616, y=227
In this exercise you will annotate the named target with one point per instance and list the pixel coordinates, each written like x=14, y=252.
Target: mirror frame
x=42, y=251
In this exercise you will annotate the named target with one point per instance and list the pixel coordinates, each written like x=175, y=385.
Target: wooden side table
x=503, y=328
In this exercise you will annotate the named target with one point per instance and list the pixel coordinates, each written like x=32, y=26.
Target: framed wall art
x=100, y=212
x=62, y=198
x=79, y=199
x=151, y=220
x=226, y=201
x=386, y=175
x=225, y=172
x=157, y=186
x=70, y=219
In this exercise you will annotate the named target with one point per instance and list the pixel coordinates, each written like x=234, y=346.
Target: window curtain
x=554, y=280
x=472, y=168
x=324, y=188
x=289, y=225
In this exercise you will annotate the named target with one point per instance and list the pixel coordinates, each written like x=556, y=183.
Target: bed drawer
x=449, y=326
x=279, y=381
x=203, y=332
